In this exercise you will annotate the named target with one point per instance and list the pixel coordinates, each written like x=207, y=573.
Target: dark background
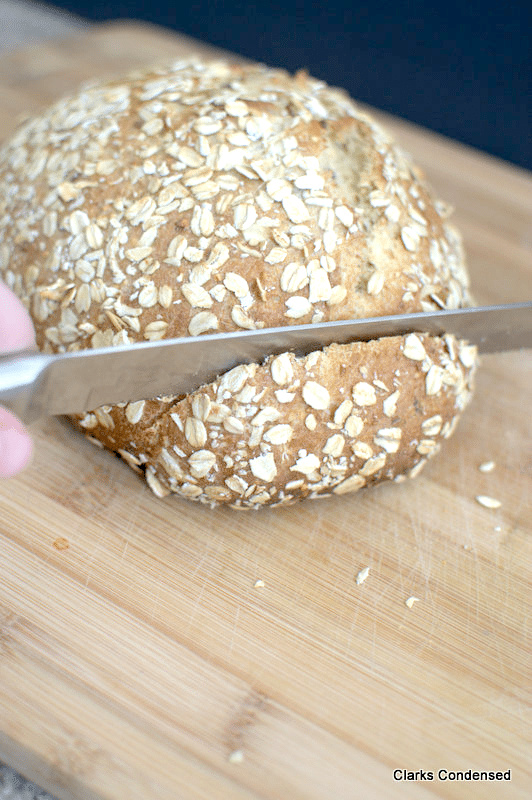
x=460, y=68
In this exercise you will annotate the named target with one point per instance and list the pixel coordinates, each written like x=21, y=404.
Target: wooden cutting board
x=158, y=649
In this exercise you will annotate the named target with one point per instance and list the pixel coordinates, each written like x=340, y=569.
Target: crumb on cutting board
x=488, y=502
x=409, y=602
x=487, y=466
x=61, y=543
x=362, y=575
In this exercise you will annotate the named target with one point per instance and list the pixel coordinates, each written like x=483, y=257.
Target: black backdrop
x=460, y=68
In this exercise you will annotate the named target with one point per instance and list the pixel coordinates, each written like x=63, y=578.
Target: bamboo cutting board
x=158, y=649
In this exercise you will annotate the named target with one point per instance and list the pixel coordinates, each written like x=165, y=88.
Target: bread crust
x=330, y=422
x=202, y=197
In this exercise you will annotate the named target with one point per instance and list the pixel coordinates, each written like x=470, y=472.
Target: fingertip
x=16, y=445
x=16, y=451
x=16, y=328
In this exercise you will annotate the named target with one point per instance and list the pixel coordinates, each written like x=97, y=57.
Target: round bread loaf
x=206, y=197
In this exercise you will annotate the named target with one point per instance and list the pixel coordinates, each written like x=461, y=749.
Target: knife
x=36, y=384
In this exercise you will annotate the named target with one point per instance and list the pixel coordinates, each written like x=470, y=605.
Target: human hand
x=16, y=333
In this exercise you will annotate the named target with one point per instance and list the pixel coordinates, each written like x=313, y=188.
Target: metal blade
x=75, y=382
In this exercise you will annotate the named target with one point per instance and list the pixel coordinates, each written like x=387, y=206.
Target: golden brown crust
x=207, y=197
x=332, y=421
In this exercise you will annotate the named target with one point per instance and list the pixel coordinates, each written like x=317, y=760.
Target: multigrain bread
x=205, y=197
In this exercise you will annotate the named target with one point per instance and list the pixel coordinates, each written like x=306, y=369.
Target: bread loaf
x=205, y=197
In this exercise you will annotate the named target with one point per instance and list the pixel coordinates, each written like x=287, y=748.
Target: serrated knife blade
x=36, y=384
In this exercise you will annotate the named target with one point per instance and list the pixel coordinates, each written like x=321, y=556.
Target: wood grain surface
x=140, y=658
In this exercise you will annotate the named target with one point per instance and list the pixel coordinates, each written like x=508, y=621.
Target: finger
x=16, y=328
x=16, y=446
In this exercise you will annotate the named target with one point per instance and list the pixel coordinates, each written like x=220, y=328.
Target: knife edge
x=75, y=382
